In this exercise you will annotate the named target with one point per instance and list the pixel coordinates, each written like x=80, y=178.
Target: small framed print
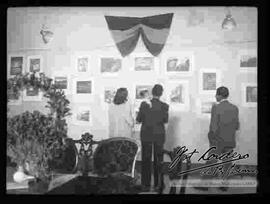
x=110, y=65
x=32, y=94
x=35, y=63
x=204, y=107
x=143, y=62
x=142, y=91
x=82, y=64
x=108, y=95
x=15, y=99
x=247, y=60
x=209, y=81
x=82, y=89
x=178, y=95
x=178, y=63
x=15, y=65
x=82, y=116
x=62, y=81
x=249, y=94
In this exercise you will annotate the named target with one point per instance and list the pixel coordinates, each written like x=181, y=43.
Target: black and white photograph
x=248, y=60
x=249, y=94
x=209, y=80
x=135, y=88
x=110, y=65
x=178, y=94
x=34, y=63
x=16, y=65
x=178, y=63
x=82, y=64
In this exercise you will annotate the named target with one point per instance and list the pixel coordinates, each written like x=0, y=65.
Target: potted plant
x=35, y=139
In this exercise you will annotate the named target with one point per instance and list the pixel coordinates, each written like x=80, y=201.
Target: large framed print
x=82, y=64
x=178, y=95
x=247, y=60
x=15, y=65
x=110, y=65
x=32, y=94
x=35, y=63
x=61, y=80
x=204, y=107
x=209, y=81
x=144, y=62
x=82, y=115
x=82, y=89
x=249, y=94
x=178, y=63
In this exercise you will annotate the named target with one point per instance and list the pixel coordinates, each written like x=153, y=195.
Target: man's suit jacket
x=223, y=125
x=153, y=120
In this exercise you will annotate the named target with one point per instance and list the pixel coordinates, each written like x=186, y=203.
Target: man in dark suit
x=152, y=135
x=223, y=126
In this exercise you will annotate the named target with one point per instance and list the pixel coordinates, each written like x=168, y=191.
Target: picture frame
x=178, y=63
x=139, y=88
x=110, y=65
x=34, y=63
x=247, y=60
x=82, y=116
x=108, y=93
x=249, y=94
x=209, y=81
x=204, y=107
x=144, y=63
x=16, y=65
x=13, y=100
x=178, y=95
x=82, y=89
x=32, y=94
x=82, y=63
x=62, y=79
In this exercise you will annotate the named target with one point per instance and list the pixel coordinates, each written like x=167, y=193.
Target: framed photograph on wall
x=178, y=63
x=34, y=63
x=178, y=95
x=82, y=89
x=15, y=65
x=110, y=65
x=32, y=94
x=62, y=81
x=107, y=95
x=82, y=116
x=204, y=107
x=141, y=91
x=209, y=81
x=144, y=62
x=247, y=60
x=82, y=64
x=249, y=94
x=15, y=99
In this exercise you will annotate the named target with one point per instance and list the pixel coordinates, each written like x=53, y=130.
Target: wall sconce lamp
x=47, y=35
x=228, y=23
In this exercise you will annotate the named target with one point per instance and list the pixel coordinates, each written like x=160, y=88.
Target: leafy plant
x=35, y=139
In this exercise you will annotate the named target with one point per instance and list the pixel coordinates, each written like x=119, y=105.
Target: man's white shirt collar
x=222, y=100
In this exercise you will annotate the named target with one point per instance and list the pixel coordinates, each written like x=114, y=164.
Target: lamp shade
x=228, y=23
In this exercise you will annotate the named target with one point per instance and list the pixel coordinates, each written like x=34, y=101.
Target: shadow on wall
x=173, y=133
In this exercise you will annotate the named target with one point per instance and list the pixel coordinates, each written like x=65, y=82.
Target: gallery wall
x=83, y=31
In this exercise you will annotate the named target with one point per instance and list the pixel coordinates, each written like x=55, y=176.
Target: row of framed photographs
x=174, y=63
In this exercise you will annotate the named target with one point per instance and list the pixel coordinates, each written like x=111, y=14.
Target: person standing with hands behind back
x=152, y=135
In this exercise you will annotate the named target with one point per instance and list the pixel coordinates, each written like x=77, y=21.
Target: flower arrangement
x=34, y=140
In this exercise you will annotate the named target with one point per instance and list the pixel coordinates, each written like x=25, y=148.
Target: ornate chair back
x=116, y=155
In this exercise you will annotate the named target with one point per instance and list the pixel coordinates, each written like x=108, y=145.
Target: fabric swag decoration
x=127, y=30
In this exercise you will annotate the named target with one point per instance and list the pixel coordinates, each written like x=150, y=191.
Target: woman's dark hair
x=157, y=90
x=120, y=96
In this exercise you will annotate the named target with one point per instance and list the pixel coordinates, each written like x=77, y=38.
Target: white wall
x=84, y=30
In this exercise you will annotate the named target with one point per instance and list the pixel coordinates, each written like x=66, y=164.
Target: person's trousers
x=217, y=171
x=146, y=171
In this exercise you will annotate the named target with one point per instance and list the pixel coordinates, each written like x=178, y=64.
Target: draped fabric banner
x=127, y=30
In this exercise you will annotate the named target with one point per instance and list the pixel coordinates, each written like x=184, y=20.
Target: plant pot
x=38, y=186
